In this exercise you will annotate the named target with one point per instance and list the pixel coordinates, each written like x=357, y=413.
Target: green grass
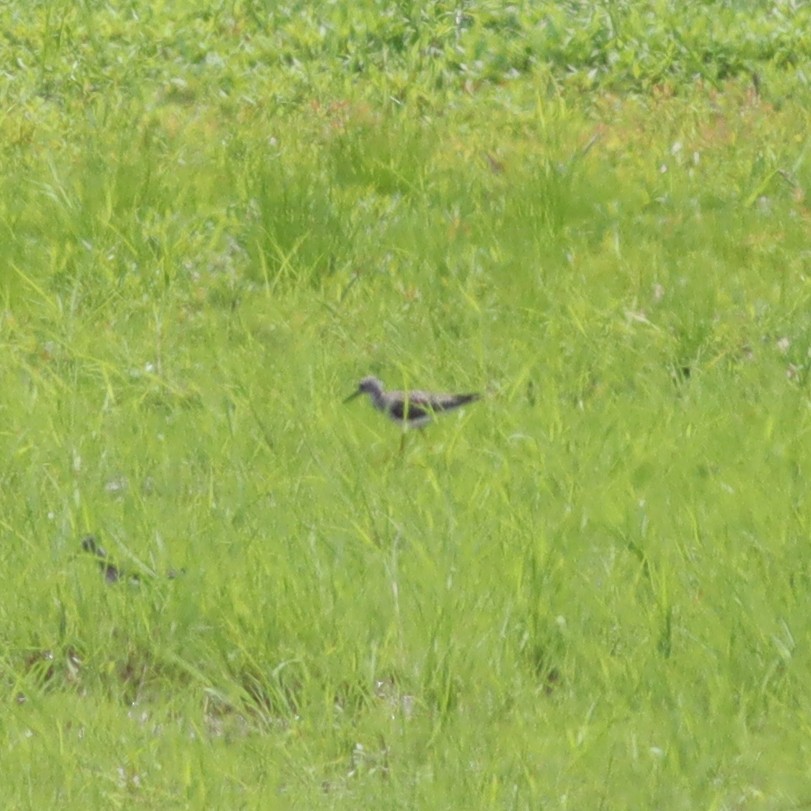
x=587, y=591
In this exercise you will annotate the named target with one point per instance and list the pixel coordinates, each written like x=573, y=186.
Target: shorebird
x=411, y=409
x=111, y=572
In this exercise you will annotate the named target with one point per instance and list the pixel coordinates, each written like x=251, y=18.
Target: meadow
x=590, y=590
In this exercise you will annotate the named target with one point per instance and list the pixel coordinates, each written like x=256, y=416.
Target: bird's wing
x=414, y=408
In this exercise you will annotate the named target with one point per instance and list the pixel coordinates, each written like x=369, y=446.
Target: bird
x=112, y=573
x=410, y=409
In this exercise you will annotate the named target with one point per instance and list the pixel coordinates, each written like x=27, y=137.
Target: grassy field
x=588, y=591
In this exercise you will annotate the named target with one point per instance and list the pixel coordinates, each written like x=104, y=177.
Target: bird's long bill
x=353, y=395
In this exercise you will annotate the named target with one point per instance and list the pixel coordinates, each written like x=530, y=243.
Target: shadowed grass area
x=587, y=590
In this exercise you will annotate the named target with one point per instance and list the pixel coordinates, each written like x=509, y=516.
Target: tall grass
x=586, y=591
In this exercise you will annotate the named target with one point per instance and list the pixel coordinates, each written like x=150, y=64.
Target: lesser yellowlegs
x=412, y=409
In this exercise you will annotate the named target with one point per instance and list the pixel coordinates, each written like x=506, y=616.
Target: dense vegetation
x=589, y=590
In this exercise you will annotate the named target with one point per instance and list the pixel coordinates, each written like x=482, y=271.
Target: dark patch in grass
x=680, y=373
x=50, y=669
x=640, y=555
x=540, y=659
x=111, y=571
